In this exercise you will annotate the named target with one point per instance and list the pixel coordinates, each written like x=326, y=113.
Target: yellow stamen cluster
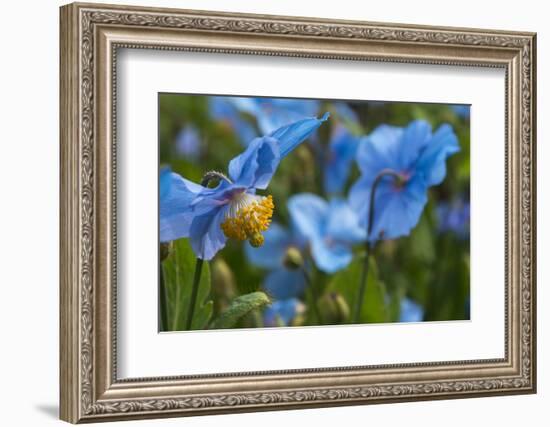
x=249, y=221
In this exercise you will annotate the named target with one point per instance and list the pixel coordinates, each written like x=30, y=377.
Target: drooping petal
x=397, y=211
x=283, y=283
x=257, y=164
x=270, y=255
x=379, y=150
x=343, y=223
x=410, y=311
x=329, y=255
x=308, y=213
x=206, y=234
x=176, y=196
x=415, y=137
x=290, y=136
x=283, y=311
x=432, y=159
x=341, y=152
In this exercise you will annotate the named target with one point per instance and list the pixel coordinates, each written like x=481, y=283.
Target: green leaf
x=346, y=282
x=179, y=269
x=239, y=308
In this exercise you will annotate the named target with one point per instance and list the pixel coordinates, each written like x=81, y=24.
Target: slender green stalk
x=368, y=246
x=194, y=293
x=208, y=176
x=163, y=299
x=313, y=295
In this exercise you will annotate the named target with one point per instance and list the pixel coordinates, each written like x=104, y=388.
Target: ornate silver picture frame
x=91, y=36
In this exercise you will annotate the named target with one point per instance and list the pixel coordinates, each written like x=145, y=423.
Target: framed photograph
x=264, y=212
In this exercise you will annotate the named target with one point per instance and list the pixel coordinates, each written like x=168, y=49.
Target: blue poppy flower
x=329, y=227
x=282, y=312
x=223, y=110
x=208, y=216
x=188, y=143
x=338, y=159
x=281, y=282
x=417, y=156
x=454, y=217
x=272, y=113
x=410, y=311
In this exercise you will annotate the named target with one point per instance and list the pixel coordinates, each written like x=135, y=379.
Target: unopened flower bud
x=293, y=258
x=334, y=307
x=223, y=284
x=165, y=250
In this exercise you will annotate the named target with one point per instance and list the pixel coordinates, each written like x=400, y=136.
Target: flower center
x=248, y=215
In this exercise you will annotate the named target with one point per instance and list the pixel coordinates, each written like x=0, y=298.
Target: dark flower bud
x=165, y=250
x=293, y=259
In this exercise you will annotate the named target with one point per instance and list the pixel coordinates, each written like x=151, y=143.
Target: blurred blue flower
x=280, y=282
x=329, y=227
x=461, y=110
x=282, y=312
x=418, y=157
x=272, y=113
x=208, y=216
x=410, y=311
x=222, y=109
x=338, y=159
x=454, y=217
x=188, y=143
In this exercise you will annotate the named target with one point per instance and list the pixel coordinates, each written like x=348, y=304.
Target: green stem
x=313, y=295
x=194, y=293
x=368, y=247
x=163, y=299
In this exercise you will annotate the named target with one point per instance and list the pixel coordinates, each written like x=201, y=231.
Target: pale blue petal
x=292, y=135
x=410, y=311
x=397, y=212
x=270, y=255
x=308, y=213
x=415, y=137
x=175, y=208
x=206, y=235
x=330, y=256
x=283, y=283
x=343, y=223
x=257, y=164
x=379, y=150
x=432, y=160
